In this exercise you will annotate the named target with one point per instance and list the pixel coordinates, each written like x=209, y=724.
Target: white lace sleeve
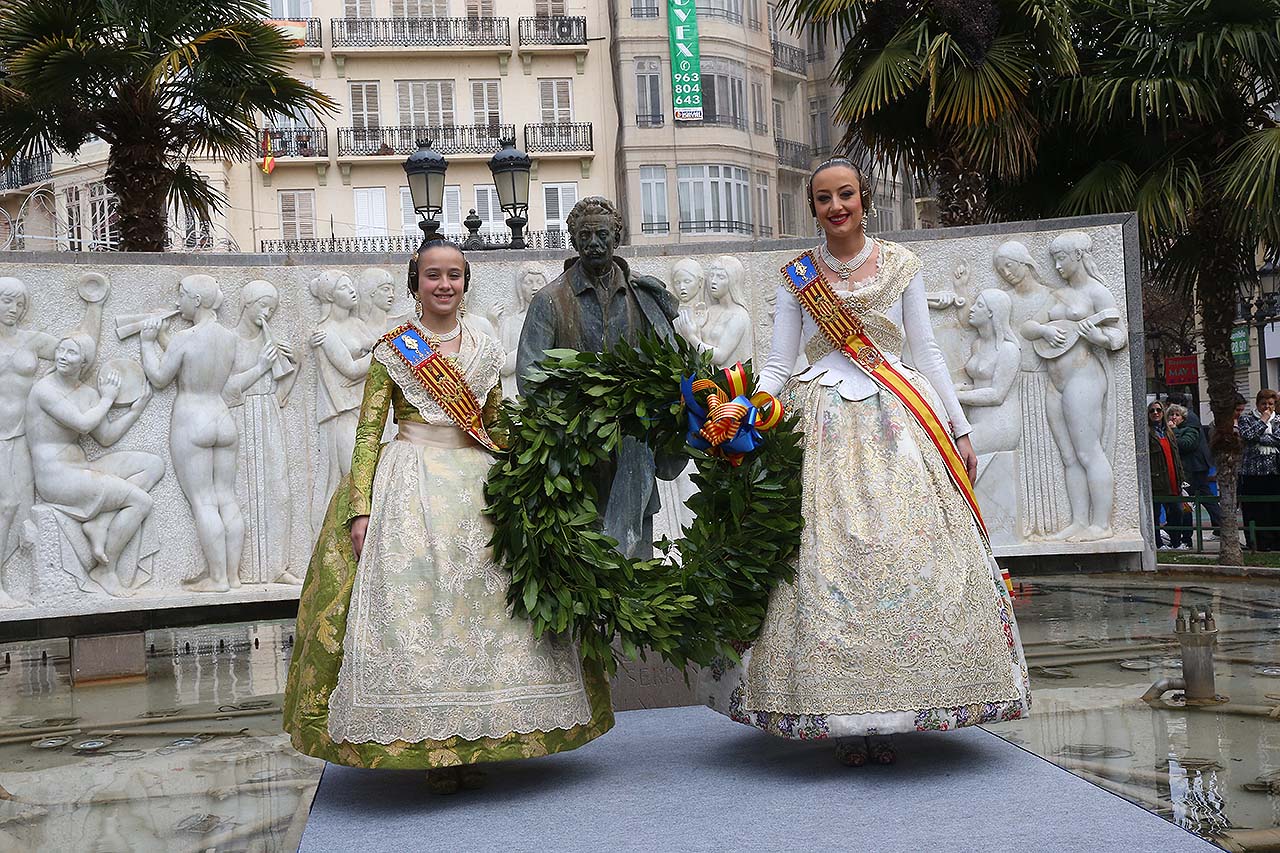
x=788, y=321
x=927, y=355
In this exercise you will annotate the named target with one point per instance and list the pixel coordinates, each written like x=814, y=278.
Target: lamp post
x=1265, y=312
x=510, y=168
x=425, y=170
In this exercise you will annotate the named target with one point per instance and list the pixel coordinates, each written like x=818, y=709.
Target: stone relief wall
x=170, y=435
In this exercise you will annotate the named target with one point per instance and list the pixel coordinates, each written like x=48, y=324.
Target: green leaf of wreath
x=566, y=575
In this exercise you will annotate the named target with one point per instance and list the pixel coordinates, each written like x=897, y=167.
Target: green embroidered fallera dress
x=410, y=658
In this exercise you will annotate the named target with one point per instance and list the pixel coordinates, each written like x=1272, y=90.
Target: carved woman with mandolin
x=1078, y=329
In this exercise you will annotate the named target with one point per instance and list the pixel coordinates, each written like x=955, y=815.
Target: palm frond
x=1109, y=187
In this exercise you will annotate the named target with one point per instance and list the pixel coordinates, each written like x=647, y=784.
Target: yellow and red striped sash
x=441, y=379
x=845, y=331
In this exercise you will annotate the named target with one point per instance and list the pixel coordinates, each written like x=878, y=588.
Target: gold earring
x=417, y=306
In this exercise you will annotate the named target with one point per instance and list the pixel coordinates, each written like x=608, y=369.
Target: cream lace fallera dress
x=897, y=619
x=431, y=652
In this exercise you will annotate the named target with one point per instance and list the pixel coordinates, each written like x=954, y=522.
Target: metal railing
x=296, y=141
x=650, y=120
x=761, y=128
x=764, y=231
x=553, y=29
x=24, y=171
x=725, y=120
x=404, y=243
x=644, y=11
x=315, y=30
x=403, y=140
x=420, y=32
x=714, y=226
x=655, y=227
x=729, y=15
x=793, y=154
x=788, y=57
x=566, y=136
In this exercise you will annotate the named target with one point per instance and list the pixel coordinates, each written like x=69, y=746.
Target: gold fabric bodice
x=872, y=299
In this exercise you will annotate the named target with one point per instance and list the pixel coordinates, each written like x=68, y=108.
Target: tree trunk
x=961, y=193
x=137, y=175
x=1217, y=297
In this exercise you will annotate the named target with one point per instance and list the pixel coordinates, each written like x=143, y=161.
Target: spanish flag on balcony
x=268, y=161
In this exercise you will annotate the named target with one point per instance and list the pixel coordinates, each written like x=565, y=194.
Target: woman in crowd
x=1166, y=476
x=406, y=656
x=1259, y=471
x=898, y=619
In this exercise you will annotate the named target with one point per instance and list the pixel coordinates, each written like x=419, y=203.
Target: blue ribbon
x=744, y=441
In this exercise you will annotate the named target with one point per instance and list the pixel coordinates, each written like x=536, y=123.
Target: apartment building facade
x=584, y=86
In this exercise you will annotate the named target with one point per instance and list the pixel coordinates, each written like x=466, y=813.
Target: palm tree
x=162, y=81
x=1173, y=115
x=943, y=88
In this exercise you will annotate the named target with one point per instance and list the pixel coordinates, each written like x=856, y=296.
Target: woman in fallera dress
x=406, y=656
x=898, y=618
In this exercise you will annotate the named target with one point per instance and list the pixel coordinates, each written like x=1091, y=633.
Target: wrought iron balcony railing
x=788, y=57
x=296, y=141
x=714, y=226
x=794, y=154
x=764, y=231
x=714, y=12
x=724, y=120
x=403, y=140
x=420, y=32
x=644, y=11
x=315, y=28
x=553, y=29
x=24, y=171
x=655, y=227
x=650, y=120
x=760, y=128
x=567, y=136
x=403, y=243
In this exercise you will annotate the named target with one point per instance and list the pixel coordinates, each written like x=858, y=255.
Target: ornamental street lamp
x=510, y=168
x=425, y=169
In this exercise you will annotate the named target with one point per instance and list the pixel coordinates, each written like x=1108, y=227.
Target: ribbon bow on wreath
x=729, y=424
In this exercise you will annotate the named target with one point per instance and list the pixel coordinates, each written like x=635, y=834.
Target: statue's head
x=687, y=280
x=1070, y=252
x=75, y=355
x=377, y=288
x=259, y=301
x=595, y=229
x=334, y=287
x=196, y=292
x=531, y=277
x=13, y=301
x=1013, y=263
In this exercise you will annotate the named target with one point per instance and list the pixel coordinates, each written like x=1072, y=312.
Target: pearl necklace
x=436, y=340
x=844, y=269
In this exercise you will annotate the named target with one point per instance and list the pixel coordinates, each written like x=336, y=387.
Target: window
x=653, y=198
x=371, y=211
x=730, y=10
x=419, y=8
x=753, y=14
x=102, y=216
x=489, y=209
x=425, y=102
x=819, y=131
x=714, y=199
x=290, y=10
x=450, y=216
x=297, y=214
x=644, y=8
x=486, y=105
x=557, y=101
x=763, y=218
x=364, y=105
x=817, y=47
x=779, y=126
x=548, y=8
x=648, y=92
x=358, y=8
x=558, y=200
x=787, y=213
x=75, y=219
x=757, y=108
x=724, y=93
x=479, y=8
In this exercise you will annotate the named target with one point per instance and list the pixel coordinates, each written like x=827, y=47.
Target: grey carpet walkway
x=687, y=779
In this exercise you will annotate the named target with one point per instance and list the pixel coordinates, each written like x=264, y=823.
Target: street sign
x=686, y=63
x=1240, y=346
x=1181, y=370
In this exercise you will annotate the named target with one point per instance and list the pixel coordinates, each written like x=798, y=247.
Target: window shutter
x=564, y=105
x=452, y=214
x=404, y=94
x=288, y=216
x=548, y=92
x=408, y=216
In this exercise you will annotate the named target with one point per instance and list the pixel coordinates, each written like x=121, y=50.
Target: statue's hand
x=318, y=337
x=286, y=351
x=1090, y=331
x=111, y=384
x=1055, y=336
x=150, y=329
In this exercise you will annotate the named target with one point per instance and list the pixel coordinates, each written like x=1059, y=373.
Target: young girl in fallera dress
x=898, y=618
x=406, y=656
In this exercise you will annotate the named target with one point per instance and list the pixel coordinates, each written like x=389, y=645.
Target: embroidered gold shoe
x=851, y=751
x=881, y=749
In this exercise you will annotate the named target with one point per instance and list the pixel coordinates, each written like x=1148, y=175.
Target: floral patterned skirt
x=897, y=619
x=409, y=659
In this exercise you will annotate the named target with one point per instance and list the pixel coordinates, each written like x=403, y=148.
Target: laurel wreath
x=567, y=576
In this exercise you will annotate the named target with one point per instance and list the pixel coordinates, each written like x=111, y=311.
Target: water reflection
x=1096, y=643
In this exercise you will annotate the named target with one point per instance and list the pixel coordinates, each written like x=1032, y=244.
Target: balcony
x=404, y=244
x=650, y=120
x=793, y=155
x=761, y=128
x=789, y=58
x=715, y=226
x=556, y=138
x=477, y=139
x=375, y=33
x=305, y=32
x=24, y=171
x=553, y=30
x=297, y=142
x=655, y=227
x=724, y=120
x=707, y=12
x=644, y=11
